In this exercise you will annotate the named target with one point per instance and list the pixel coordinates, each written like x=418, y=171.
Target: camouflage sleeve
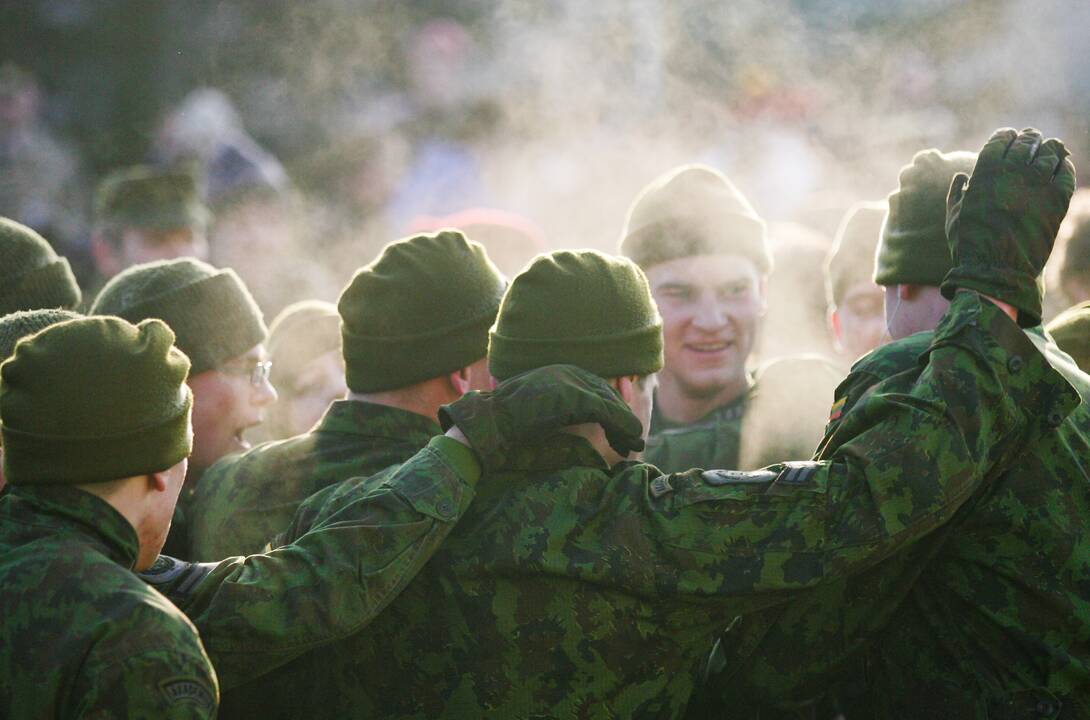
x=165, y=683
x=911, y=458
x=255, y=613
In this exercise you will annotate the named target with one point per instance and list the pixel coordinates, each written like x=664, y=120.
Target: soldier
x=142, y=215
x=32, y=275
x=707, y=259
x=219, y=326
x=407, y=351
x=18, y=325
x=307, y=368
x=854, y=301
x=579, y=584
x=1071, y=332
x=990, y=622
x=92, y=489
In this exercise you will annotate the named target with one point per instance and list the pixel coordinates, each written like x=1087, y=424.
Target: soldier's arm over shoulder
x=910, y=457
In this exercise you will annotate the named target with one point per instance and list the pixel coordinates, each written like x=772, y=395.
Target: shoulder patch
x=188, y=690
x=661, y=486
x=837, y=409
x=797, y=473
x=733, y=477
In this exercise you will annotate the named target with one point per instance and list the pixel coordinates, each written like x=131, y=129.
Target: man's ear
x=907, y=292
x=157, y=481
x=626, y=386
x=459, y=381
x=834, y=323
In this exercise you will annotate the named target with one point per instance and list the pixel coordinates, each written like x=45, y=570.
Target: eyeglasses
x=258, y=373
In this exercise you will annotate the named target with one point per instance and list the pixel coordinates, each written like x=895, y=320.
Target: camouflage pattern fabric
x=993, y=621
x=81, y=635
x=245, y=500
x=258, y=612
x=712, y=442
x=571, y=589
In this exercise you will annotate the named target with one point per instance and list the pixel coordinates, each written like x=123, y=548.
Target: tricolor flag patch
x=837, y=409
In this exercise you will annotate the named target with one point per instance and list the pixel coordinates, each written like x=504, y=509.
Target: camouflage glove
x=1002, y=222
x=536, y=403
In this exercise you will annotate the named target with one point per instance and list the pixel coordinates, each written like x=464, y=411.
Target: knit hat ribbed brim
x=693, y=210
x=122, y=410
x=22, y=324
x=913, y=249
x=32, y=275
x=851, y=257
x=580, y=308
x=213, y=315
x=422, y=309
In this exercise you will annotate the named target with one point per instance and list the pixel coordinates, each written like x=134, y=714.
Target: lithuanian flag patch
x=837, y=409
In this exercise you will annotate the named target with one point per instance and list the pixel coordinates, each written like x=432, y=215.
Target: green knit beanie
x=422, y=309
x=851, y=258
x=210, y=311
x=121, y=410
x=693, y=210
x=580, y=308
x=146, y=198
x=32, y=275
x=913, y=248
x=18, y=325
x=1071, y=331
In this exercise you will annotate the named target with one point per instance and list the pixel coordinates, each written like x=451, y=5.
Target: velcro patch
x=837, y=409
x=187, y=690
x=797, y=473
x=661, y=486
x=734, y=477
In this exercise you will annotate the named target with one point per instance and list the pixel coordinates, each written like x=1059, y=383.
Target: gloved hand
x=535, y=403
x=1001, y=223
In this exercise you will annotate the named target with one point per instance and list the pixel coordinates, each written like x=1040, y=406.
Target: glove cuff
x=1014, y=288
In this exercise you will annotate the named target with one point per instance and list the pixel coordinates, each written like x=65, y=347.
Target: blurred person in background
x=1071, y=332
x=40, y=184
x=307, y=368
x=511, y=240
x=219, y=326
x=32, y=275
x=1074, y=269
x=796, y=322
x=144, y=214
x=414, y=329
x=854, y=301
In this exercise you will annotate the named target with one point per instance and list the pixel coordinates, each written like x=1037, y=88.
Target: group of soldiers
x=469, y=529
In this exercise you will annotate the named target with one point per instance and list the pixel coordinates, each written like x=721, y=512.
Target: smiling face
x=225, y=403
x=711, y=306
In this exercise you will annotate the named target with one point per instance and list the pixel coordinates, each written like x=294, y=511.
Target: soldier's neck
x=422, y=399
x=680, y=404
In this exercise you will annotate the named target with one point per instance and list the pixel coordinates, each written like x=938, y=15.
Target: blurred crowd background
x=324, y=129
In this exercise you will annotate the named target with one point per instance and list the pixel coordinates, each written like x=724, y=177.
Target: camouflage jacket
x=258, y=612
x=245, y=500
x=571, y=589
x=990, y=621
x=780, y=418
x=81, y=636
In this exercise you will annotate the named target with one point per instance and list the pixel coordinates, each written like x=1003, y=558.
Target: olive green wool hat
x=851, y=258
x=32, y=275
x=18, y=325
x=579, y=308
x=420, y=310
x=913, y=249
x=121, y=410
x=210, y=311
x=146, y=198
x=693, y=210
x=301, y=332
x=1071, y=331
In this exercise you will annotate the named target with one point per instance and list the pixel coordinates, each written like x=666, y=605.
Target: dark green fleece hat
x=94, y=399
x=422, y=309
x=1071, y=331
x=18, y=325
x=851, y=258
x=693, y=210
x=146, y=198
x=32, y=275
x=210, y=311
x=913, y=249
x=580, y=308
